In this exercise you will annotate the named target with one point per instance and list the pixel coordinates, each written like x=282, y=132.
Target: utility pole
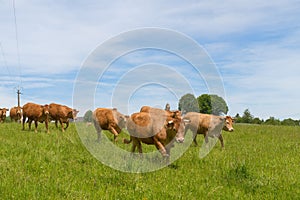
x=18, y=92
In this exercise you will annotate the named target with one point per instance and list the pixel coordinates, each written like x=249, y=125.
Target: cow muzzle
x=180, y=140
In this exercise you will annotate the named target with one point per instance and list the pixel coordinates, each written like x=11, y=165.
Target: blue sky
x=255, y=46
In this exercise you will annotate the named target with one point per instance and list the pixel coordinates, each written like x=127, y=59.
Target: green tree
x=272, y=121
x=289, y=122
x=212, y=104
x=88, y=116
x=238, y=118
x=247, y=117
x=188, y=103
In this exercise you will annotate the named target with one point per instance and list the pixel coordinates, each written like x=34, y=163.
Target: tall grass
x=259, y=162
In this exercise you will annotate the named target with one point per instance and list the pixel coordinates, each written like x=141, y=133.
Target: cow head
x=73, y=113
x=121, y=119
x=228, y=124
x=46, y=109
x=4, y=110
x=177, y=126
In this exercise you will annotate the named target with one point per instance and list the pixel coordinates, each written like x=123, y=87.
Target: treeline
x=248, y=118
x=213, y=104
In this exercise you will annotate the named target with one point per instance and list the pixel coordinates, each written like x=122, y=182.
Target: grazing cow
x=37, y=113
x=62, y=114
x=154, y=129
x=208, y=125
x=167, y=113
x=3, y=114
x=15, y=114
x=109, y=119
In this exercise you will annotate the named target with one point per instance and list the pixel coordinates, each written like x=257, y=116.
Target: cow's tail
x=125, y=141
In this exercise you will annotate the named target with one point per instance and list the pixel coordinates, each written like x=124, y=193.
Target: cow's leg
x=221, y=140
x=46, y=124
x=56, y=124
x=29, y=123
x=98, y=130
x=62, y=125
x=160, y=147
x=23, y=122
x=113, y=131
x=36, y=125
x=140, y=148
x=67, y=124
x=168, y=149
x=195, y=138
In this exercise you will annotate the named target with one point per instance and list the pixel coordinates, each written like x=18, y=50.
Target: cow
x=15, y=114
x=208, y=125
x=37, y=113
x=154, y=129
x=3, y=114
x=109, y=119
x=62, y=114
x=167, y=113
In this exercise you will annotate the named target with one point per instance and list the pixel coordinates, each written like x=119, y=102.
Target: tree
x=247, y=117
x=238, y=118
x=289, y=122
x=272, y=121
x=212, y=104
x=88, y=116
x=188, y=103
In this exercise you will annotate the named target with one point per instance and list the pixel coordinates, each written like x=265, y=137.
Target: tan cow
x=154, y=129
x=208, y=125
x=167, y=113
x=37, y=113
x=15, y=114
x=62, y=114
x=3, y=114
x=109, y=119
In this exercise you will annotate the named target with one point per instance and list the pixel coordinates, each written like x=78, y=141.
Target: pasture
x=259, y=162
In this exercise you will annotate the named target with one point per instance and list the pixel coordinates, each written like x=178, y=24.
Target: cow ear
x=186, y=121
x=170, y=124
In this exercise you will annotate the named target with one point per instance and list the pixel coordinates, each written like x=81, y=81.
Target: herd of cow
x=160, y=127
x=40, y=113
x=152, y=126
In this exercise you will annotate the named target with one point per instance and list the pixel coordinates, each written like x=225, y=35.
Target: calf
x=109, y=119
x=62, y=114
x=208, y=125
x=37, y=113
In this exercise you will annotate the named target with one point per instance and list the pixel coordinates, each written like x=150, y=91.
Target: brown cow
x=208, y=125
x=3, y=114
x=154, y=129
x=37, y=113
x=62, y=114
x=15, y=114
x=109, y=119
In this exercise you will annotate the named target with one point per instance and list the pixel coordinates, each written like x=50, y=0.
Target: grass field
x=259, y=162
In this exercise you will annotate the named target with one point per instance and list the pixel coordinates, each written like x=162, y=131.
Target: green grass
x=259, y=162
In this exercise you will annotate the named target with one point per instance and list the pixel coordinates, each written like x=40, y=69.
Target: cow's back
x=32, y=110
x=199, y=122
x=104, y=117
x=58, y=111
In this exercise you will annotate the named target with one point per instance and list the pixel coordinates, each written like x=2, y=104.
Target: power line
x=18, y=49
x=5, y=62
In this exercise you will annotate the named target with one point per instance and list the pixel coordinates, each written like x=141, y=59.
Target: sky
x=252, y=47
